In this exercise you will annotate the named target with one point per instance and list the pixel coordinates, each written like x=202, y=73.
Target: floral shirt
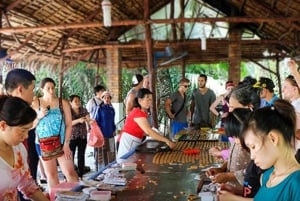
x=16, y=177
x=79, y=130
x=238, y=161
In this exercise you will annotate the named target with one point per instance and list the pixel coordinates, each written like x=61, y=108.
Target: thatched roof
x=41, y=30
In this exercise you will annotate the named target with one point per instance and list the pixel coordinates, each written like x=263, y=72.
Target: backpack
x=97, y=113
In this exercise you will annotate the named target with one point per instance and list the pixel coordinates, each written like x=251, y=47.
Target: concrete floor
x=89, y=161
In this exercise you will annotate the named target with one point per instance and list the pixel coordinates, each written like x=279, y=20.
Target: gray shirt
x=177, y=102
x=202, y=103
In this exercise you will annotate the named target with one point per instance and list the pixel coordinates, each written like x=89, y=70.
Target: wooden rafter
x=162, y=44
x=13, y=5
x=154, y=21
x=18, y=48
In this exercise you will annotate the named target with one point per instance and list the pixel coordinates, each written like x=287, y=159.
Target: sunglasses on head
x=292, y=80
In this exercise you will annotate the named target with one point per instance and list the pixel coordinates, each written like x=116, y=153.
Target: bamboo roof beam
x=13, y=5
x=163, y=44
x=265, y=11
x=154, y=21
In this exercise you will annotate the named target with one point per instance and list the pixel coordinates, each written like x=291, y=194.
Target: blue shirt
x=106, y=120
x=269, y=103
x=286, y=190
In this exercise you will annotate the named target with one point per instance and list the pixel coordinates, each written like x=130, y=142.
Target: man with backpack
x=95, y=101
x=175, y=107
x=91, y=106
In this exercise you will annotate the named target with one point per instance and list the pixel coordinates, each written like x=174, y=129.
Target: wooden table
x=168, y=179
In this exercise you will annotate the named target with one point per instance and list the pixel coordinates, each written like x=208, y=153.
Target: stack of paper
x=70, y=196
x=119, y=181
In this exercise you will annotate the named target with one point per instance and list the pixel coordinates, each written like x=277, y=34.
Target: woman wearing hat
x=106, y=120
x=137, y=83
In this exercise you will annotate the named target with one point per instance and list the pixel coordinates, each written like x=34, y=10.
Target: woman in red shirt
x=137, y=125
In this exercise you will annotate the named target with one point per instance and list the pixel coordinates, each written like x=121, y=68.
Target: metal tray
x=152, y=146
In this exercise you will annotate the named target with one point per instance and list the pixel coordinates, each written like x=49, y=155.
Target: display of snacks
x=177, y=155
x=196, y=135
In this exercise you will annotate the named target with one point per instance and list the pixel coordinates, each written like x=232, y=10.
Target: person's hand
x=82, y=119
x=171, y=116
x=231, y=189
x=292, y=66
x=170, y=144
x=211, y=172
x=42, y=112
x=215, y=152
x=222, y=177
x=227, y=196
x=67, y=151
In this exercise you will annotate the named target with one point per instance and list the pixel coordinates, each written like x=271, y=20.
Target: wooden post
x=182, y=35
x=151, y=70
x=61, y=68
x=98, y=67
x=278, y=77
x=183, y=67
x=61, y=74
x=234, y=55
x=172, y=11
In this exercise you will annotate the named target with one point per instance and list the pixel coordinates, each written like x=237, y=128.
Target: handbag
x=96, y=138
x=51, y=147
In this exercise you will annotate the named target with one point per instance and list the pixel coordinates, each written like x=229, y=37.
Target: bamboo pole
x=173, y=26
x=151, y=70
x=97, y=68
x=61, y=68
x=154, y=21
x=163, y=44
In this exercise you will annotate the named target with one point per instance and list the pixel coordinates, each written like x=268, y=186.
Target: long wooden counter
x=164, y=175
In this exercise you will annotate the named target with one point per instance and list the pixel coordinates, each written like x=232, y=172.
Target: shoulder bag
x=51, y=147
x=180, y=109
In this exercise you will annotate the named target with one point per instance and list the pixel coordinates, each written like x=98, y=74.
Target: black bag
x=180, y=109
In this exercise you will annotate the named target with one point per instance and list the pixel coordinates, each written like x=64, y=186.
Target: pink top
x=225, y=152
x=17, y=176
x=131, y=127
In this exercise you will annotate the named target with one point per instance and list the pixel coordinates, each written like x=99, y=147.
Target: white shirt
x=92, y=104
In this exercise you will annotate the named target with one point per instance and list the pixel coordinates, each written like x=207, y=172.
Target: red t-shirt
x=131, y=127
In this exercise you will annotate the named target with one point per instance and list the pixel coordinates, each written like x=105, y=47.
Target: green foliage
x=126, y=79
x=77, y=80
x=217, y=71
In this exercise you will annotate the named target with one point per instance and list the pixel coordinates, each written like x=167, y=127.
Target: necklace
x=277, y=178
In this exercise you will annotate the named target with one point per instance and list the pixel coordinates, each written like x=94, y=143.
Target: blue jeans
x=177, y=126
